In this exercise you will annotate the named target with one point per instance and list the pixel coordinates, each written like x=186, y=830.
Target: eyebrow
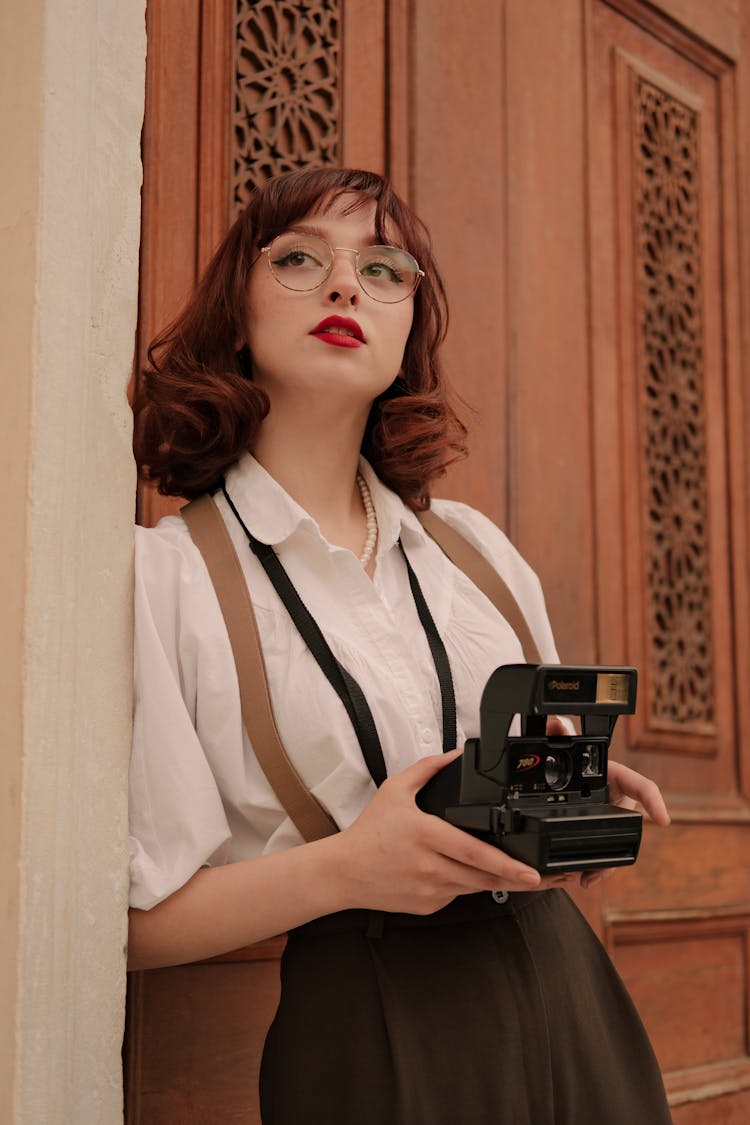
x=310, y=228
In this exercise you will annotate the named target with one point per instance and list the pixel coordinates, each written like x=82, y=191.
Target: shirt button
x=426, y=735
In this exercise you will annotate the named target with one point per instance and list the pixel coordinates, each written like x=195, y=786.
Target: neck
x=317, y=466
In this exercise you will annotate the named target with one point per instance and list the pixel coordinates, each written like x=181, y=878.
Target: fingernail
x=592, y=879
x=530, y=878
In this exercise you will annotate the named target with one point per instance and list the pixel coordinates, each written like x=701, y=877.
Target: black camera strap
x=439, y=657
x=344, y=684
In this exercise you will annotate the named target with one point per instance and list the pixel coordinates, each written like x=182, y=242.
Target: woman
x=302, y=385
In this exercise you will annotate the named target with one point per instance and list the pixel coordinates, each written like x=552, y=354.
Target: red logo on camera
x=528, y=762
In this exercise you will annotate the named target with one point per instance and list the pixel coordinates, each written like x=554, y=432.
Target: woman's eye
x=382, y=271
x=297, y=259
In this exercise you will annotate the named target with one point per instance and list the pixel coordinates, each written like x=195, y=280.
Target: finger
x=455, y=844
x=463, y=879
x=624, y=802
x=558, y=880
x=558, y=725
x=635, y=786
x=591, y=878
x=418, y=774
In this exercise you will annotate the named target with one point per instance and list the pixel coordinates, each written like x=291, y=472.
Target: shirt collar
x=273, y=516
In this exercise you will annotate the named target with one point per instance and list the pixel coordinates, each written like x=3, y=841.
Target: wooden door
x=626, y=144
x=583, y=167
x=666, y=136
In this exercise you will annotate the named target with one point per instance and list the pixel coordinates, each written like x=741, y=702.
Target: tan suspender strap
x=210, y=535
x=476, y=567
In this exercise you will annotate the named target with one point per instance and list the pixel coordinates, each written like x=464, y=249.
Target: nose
x=342, y=284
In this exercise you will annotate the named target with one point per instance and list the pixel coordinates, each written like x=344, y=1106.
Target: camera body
x=542, y=798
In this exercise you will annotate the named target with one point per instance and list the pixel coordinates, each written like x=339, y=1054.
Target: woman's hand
x=627, y=789
x=397, y=858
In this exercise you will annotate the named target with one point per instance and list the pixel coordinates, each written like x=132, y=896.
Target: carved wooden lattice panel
x=286, y=89
x=674, y=494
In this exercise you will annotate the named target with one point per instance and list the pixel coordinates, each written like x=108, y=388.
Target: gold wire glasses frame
x=303, y=262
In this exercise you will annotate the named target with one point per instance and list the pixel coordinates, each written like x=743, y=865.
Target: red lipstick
x=339, y=331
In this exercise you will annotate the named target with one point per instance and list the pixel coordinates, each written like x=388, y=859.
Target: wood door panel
x=665, y=596
x=198, y=1034
x=730, y=1109
x=457, y=184
x=549, y=452
x=689, y=866
x=690, y=992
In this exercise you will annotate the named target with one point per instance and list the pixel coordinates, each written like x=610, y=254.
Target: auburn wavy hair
x=197, y=409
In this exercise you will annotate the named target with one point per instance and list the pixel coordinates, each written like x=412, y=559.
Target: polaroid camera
x=543, y=798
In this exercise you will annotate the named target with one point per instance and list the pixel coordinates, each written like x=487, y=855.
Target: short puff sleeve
x=177, y=819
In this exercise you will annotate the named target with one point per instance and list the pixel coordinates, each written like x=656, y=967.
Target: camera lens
x=557, y=769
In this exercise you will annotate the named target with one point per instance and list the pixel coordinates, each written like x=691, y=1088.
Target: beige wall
x=71, y=104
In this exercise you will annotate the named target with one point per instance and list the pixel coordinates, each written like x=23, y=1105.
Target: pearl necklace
x=372, y=521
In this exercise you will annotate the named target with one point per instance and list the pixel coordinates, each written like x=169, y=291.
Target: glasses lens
x=300, y=261
x=387, y=273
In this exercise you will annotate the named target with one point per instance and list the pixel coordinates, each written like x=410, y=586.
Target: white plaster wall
x=79, y=484
x=20, y=113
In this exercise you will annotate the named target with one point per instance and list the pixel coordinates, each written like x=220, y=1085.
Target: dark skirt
x=481, y=1014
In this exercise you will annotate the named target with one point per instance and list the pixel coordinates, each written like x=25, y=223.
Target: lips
x=339, y=331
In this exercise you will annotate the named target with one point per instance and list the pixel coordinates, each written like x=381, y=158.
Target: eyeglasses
x=303, y=262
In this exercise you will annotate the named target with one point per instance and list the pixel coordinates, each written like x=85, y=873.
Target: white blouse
x=197, y=794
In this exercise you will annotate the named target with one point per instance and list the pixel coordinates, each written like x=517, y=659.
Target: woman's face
x=292, y=353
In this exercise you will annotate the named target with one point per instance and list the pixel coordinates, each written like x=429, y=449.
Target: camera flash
x=612, y=687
